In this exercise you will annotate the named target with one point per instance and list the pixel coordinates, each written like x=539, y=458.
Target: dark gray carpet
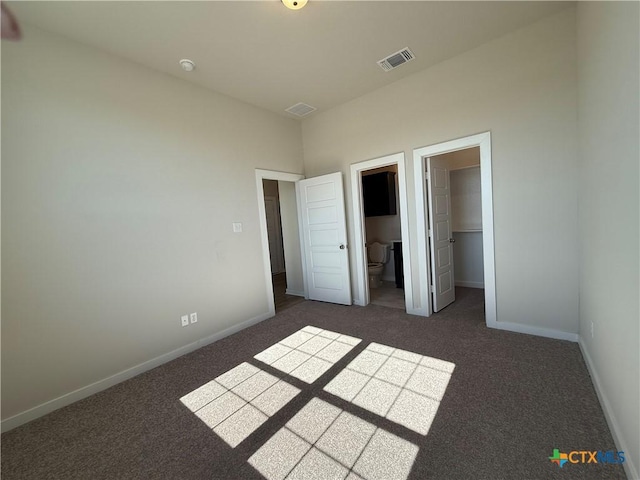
x=511, y=400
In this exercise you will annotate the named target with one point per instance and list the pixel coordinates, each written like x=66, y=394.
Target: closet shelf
x=466, y=230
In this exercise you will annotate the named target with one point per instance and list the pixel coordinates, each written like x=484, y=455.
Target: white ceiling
x=264, y=54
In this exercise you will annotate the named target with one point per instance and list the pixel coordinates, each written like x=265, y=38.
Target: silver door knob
x=452, y=240
x=342, y=247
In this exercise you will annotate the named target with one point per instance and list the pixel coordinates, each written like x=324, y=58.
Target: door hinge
x=431, y=289
x=429, y=233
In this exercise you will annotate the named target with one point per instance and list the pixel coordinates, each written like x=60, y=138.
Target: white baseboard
x=540, y=332
x=462, y=283
x=294, y=293
x=86, y=391
x=629, y=467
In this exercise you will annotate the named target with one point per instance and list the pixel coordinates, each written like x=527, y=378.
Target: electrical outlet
x=194, y=317
x=591, y=329
x=184, y=320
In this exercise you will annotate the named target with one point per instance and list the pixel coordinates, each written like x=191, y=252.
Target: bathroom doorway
x=382, y=236
x=381, y=218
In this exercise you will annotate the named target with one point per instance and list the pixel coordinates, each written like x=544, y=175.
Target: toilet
x=378, y=256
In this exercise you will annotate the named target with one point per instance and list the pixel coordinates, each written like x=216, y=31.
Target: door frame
x=262, y=222
x=482, y=140
x=360, y=252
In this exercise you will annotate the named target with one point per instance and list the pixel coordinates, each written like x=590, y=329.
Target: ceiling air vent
x=396, y=59
x=300, y=109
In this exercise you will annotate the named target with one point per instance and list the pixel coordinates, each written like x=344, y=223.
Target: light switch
x=237, y=227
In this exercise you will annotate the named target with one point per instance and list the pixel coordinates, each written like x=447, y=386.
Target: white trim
x=630, y=468
x=362, y=283
x=93, y=388
x=295, y=294
x=538, y=331
x=462, y=283
x=482, y=140
x=262, y=222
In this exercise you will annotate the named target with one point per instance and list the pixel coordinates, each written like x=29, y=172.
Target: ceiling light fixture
x=294, y=4
x=187, y=65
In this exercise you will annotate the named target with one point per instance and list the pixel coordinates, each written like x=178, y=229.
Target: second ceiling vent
x=396, y=59
x=300, y=109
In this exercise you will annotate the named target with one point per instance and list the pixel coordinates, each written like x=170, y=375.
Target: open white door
x=324, y=238
x=441, y=240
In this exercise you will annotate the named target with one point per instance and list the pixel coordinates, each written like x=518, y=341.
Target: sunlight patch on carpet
x=324, y=442
x=237, y=402
x=308, y=353
x=396, y=384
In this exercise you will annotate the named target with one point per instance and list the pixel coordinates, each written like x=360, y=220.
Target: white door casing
x=440, y=239
x=324, y=238
x=274, y=233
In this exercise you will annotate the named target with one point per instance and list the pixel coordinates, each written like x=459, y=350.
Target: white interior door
x=274, y=233
x=441, y=239
x=324, y=238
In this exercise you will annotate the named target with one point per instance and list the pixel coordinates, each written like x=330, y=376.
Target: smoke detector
x=396, y=59
x=187, y=65
x=300, y=109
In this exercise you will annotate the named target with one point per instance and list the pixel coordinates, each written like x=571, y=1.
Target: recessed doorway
x=434, y=224
x=388, y=229
x=284, y=245
x=383, y=237
x=279, y=229
x=454, y=211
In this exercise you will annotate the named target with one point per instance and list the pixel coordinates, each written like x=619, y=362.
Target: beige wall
x=466, y=214
x=119, y=188
x=608, y=52
x=466, y=199
x=521, y=87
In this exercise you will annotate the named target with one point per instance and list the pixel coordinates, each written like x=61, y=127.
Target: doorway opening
x=454, y=207
x=382, y=236
x=279, y=228
x=454, y=211
x=378, y=189
x=284, y=246
x=317, y=230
